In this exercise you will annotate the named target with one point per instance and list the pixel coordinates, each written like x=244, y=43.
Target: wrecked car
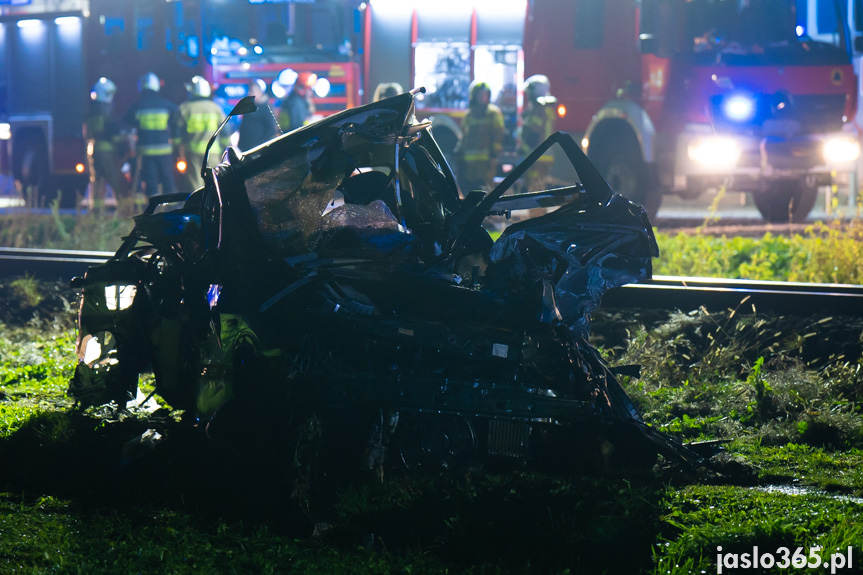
x=339, y=273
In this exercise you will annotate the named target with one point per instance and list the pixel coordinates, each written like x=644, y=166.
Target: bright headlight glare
x=715, y=151
x=119, y=297
x=841, y=149
x=287, y=77
x=98, y=350
x=322, y=87
x=278, y=90
x=92, y=351
x=739, y=108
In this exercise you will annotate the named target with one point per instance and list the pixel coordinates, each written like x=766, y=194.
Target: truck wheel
x=626, y=173
x=786, y=201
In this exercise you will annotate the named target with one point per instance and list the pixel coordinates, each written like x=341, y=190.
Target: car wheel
x=786, y=201
x=435, y=442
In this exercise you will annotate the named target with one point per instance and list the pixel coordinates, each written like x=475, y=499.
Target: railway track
x=48, y=264
x=661, y=292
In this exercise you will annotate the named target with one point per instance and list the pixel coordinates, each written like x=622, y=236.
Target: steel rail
x=717, y=294
x=661, y=292
x=48, y=264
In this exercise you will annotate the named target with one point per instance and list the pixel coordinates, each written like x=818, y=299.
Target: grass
x=700, y=519
x=785, y=391
x=96, y=231
x=823, y=253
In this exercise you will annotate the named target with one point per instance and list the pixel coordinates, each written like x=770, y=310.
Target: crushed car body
x=338, y=269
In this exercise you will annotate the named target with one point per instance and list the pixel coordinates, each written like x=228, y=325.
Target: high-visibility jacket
x=537, y=124
x=482, y=141
x=155, y=121
x=101, y=127
x=199, y=119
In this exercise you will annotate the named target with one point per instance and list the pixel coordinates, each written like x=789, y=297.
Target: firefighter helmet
x=199, y=87
x=387, y=90
x=306, y=79
x=537, y=86
x=103, y=90
x=149, y=81
x=475, y=88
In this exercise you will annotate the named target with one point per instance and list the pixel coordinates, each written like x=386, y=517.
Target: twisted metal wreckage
x=337, y=271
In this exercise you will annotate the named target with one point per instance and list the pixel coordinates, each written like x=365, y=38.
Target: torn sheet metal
x=339, y=269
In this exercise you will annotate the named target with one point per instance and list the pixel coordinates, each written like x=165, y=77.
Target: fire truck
x=53, y=51
x=688, y=96
x=444, y=46
x=288, y=37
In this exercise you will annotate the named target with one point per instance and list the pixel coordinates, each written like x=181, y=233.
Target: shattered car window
x=338, y=185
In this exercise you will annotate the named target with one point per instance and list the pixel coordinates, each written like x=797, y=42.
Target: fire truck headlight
x=322, y=87
x=739, y=108
x=5, y=131
x=714, y=151
x=841, y=149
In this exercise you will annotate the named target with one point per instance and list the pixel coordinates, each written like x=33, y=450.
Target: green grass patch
x=824, y=253
x=84, y=231
x=700, y=519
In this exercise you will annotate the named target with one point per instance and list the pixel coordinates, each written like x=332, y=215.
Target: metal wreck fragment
x=340, y=272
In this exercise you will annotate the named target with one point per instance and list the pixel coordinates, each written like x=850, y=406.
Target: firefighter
x=101, y=131
x=297, y=108
x=200, y=117
x=537, y=124
x=482, y=139
x=387, y=90
x=154, y=121
x=507, y=101
x=260, y=125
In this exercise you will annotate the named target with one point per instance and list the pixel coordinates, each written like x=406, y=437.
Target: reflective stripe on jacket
x=199, y=119
x=482, y=141
x=155, y=120
x=537, y=125
x=101, y=127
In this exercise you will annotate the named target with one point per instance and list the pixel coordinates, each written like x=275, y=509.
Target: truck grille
x=782, y=114
x=819, y=113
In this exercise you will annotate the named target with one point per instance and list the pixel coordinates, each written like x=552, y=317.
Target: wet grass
x=75, y=499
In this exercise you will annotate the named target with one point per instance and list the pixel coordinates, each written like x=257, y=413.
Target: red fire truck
x=686, y=96
x=444, y=45
x=53, y=51
x=288, y=37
